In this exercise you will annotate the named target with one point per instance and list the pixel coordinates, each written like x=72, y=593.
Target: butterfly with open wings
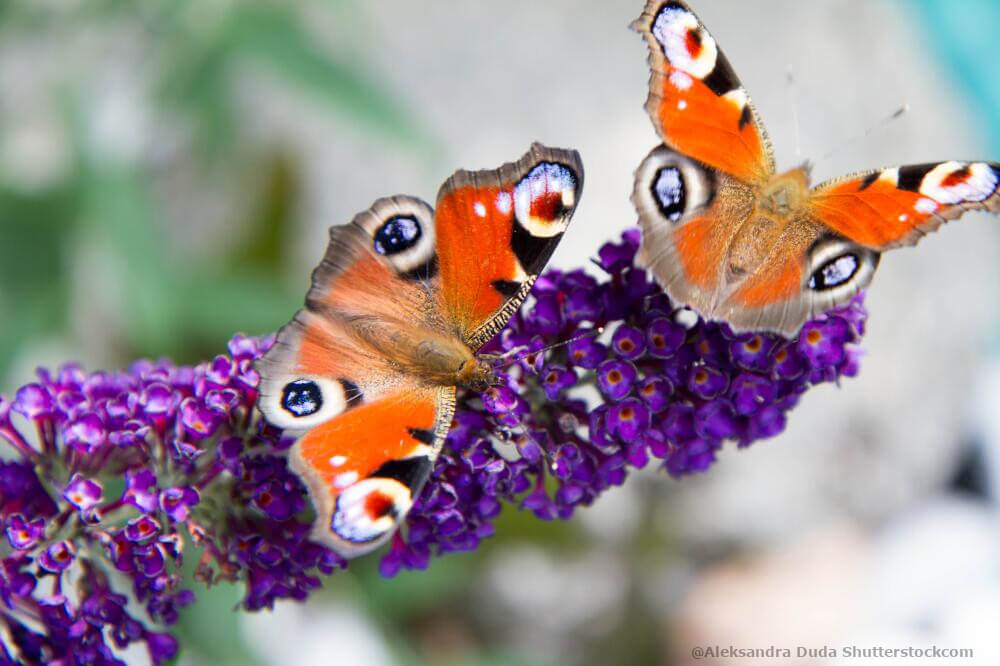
x=398, y=308
x=728, y=236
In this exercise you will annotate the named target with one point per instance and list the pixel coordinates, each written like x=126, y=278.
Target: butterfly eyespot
x=302, y=397
x=669, y=193
x=837, y=266
x=397, y=235
x=543, y=199
x=835, y=272
x=368, y=511
x=303, y=401
x=671, y=186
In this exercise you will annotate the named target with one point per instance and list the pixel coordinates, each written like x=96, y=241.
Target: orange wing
x=887, y=208
x=495, y=230
x=365, y=468
x=375, y=429
x=696, y=102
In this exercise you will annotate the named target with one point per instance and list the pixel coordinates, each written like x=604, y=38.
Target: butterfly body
x=727, y=235
x=403, y=300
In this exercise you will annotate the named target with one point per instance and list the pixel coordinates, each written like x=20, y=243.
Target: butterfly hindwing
x=690, y=215
x=366, y=467
x=696, y=102
x=496, y=229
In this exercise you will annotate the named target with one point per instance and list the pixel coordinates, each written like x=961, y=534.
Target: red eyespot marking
x=546, y=206
x=626, y=345
x=754, y=344
x=378, y=505
x=703, y=347
x=700, y=377
x=614, y=377
x=658, y=341
x=814, y=336
x=781, y=356
x=627, y=414
x=693, y=42
x=957, y=177
x=647, y=390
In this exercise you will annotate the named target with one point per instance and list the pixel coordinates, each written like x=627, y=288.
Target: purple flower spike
x=586, y=352
x=664, y=337
x=822, y=343
x=272, y=499
x=707, y=382
x=628, y=419
x=140, y=490
x=628, y=343
x=33, y=401
x=177, y=502
x=57, y=557
x=789, y=363
x=615, y=378
x=545, y=316
x=23, y=534
x=141, y=529
x=83, y=493
x=199, y=420
x=162, y=647
x=616, y=257
x=555, y=381
x=201, y=467
x=752, y=351
x=85, y=434
x=655, y=392
x=751, y=393
x=716, y=421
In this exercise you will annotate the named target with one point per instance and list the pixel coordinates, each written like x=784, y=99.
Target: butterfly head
x=477, y=374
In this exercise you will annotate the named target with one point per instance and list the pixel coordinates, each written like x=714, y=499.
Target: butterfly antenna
x=503, y=357
x=793, y=103
x=895, y=115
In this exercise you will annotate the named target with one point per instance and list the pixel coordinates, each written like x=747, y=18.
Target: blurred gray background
x=168, y=174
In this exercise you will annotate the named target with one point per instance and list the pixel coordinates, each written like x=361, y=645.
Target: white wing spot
x=479, y=209
x=737, y=98
x=345, y=479
x=337, y=461
x=903, y=217
x=680, y=80
x=504, y=202
x=925, y=206
x=681, y=105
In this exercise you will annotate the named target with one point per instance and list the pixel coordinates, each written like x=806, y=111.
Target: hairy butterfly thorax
x=403, y=300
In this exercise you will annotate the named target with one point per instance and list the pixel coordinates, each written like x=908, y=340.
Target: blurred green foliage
x=186, y=58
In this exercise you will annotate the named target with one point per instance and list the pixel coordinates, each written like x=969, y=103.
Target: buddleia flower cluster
x=108, y=480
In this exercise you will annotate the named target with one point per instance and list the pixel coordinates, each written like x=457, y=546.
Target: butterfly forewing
x=496, y=230
x=696, y=102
